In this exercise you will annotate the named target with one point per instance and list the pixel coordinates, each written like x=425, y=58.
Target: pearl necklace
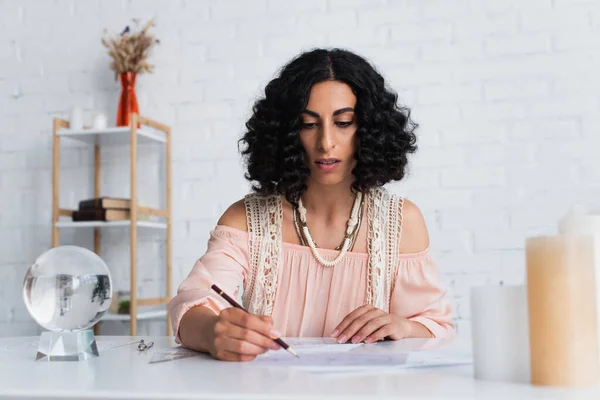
x=352, y=222
x=298, y=227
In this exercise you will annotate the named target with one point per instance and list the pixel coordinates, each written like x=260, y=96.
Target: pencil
x=235, y=304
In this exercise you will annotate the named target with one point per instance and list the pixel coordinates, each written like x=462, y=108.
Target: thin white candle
x=500, y=333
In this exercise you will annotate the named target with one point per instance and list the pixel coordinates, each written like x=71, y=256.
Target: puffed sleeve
x=419, y=296
x=225, y=264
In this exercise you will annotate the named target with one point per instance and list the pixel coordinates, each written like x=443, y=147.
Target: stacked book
x=102, y=209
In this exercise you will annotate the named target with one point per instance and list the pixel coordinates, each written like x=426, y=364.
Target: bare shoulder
x=415, y=237
x=235, y=216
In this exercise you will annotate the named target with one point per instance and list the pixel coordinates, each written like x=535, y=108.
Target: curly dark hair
x=274, y=155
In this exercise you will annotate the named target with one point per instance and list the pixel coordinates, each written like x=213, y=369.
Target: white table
x=124, y=373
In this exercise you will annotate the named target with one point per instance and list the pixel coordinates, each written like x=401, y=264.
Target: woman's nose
x=326, y=139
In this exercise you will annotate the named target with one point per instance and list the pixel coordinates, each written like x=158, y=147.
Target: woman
x=320, y=248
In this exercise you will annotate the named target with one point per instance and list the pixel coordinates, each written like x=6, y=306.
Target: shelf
x=109, y=224
x=149, y=134
x=112, y=136
x=140, y=315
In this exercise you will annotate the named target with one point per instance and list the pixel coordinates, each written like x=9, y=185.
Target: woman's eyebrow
x=336, y=112
x=343, y=110
x=309, y=112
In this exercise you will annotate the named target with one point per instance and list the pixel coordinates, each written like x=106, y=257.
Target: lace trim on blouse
x=264, y=215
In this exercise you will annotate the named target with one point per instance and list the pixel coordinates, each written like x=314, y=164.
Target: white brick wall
x=505, y=93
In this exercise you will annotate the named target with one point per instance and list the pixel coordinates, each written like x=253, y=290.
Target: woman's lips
x=328, y=165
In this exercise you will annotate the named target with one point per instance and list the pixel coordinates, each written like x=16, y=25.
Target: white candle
x=580, y=222
x=76, y=121
x=100, y=121
x=500, y=333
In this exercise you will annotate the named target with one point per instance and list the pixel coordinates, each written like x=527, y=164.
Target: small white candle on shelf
x=500, y=333
x=100, y=121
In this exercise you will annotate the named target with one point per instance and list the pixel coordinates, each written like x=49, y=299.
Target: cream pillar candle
x=562, y=310
x=500, y=333
x=579, y=222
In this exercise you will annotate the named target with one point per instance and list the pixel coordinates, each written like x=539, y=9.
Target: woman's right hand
x=239, y=336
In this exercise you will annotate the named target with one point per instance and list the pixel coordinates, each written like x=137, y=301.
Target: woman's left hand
x=370, y=324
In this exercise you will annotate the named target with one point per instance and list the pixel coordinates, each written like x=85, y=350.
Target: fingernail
x=368, y=340
x=335, y=333
x=275, y=334
x=342, y=339
x=355, y=339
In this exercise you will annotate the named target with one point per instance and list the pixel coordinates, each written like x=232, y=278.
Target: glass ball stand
x=67, y=346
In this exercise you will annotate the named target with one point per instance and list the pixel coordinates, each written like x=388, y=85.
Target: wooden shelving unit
x=149, y=131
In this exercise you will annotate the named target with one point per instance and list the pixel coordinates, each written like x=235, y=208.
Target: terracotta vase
x=128, y=101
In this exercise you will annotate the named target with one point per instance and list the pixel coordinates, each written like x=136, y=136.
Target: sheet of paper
x=330, y=358
x=304, y=341
x=437, y=358
x=323, y=355
x=178, y=353
x=318, y=345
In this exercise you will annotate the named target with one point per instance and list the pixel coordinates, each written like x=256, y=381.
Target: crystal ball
x=67, y=289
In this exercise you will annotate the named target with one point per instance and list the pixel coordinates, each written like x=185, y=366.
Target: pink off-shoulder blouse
x=311, y=300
